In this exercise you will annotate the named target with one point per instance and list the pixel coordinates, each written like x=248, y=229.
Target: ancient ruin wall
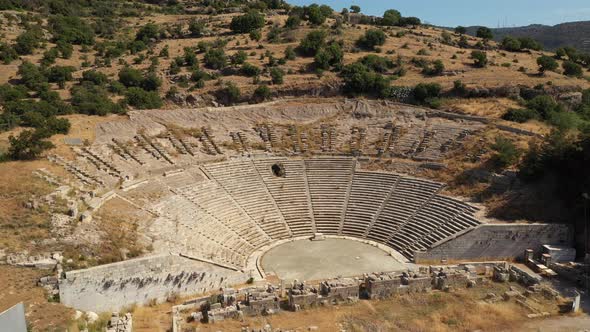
x=112, y=287
x=498, y=241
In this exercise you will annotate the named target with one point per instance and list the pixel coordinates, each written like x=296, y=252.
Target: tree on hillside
x=215, y=59
x=391, y=17
x=355, y=9
x=196, y=28
x=485, y=33
x=29, y=144
x=250, y=21
x=312, y=43
x=480, y=59
x=461, y=30
x=372, y=38
x=511, y=44
x=571, y=68
x=546, y=63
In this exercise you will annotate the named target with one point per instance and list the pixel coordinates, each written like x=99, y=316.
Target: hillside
x=575, y=34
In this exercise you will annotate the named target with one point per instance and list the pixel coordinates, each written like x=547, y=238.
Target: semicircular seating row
x=246, y=206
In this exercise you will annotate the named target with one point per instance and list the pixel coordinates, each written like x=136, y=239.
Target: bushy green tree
x=60, y=74
x=261, y=93
x=215, y=59
x=359, y=79
x=546, y=63
x=130, y=77
x=29, y=145
x=312, y=43
x=461, y=30
x=511, y=44
x=196, y=28
x=249, y=70
x=331, y=55
x=28, y=41
x=147, y=33
x=425, y=91
x=506, y=153
x=485, y=33
x=293, y=21
x=391, y=17
x=32, y=76
x=480, y=59
x=250, y=21
x=71, y=29
x=7, y=53
x=377, y=63
x=239, y=57
x=229, y=94
x=355, y=9
x=276, y=75
x=372, y=38
x=93, y=99
x=520, y=115
x=142, y=99
x=571, y=68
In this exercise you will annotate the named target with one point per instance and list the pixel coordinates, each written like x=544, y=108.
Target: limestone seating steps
x=124, y=152
x=289, y=192
x=78, y=172
x=208, y=136
x=243, y=183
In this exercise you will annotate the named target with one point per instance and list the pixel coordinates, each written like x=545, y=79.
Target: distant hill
x=575, y=34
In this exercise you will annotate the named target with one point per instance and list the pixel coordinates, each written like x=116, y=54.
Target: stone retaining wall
x=112, y=287
x=498, y=241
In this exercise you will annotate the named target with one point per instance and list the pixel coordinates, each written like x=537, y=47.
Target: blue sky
x=474, y=12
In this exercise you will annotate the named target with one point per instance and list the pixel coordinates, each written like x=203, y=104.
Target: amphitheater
x=280, y=190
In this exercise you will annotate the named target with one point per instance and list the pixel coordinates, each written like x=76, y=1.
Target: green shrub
x=147, y=33
x=32, y=76
x=28, y=41
x=359, y=79
x=546, y=63
x=239, y=57
x=290, y=53
x=261, y=93
x=331, y=55
x=249, y=70
x=28, y=145
x=60, y=75
x=485, y=33
x=511, y=44
x=506, y=153
x=543, y=105
x=293, y=21
x=7, y=53
x=312, y=43
x=425, y=91
x=151, y=82
x=248, y=22
x=71, y=29
x=142, y=99
x=95, y=77
x=230, y=93
x=391, y=17
x=520, y=115
x=215, y=59
x=277, y=75
x=372, y=38
x=377, y=63
x=571, y=68
x=480, y=59
x=196, y=28
x=437, y=68
x=93, y=100
x=130, y=77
